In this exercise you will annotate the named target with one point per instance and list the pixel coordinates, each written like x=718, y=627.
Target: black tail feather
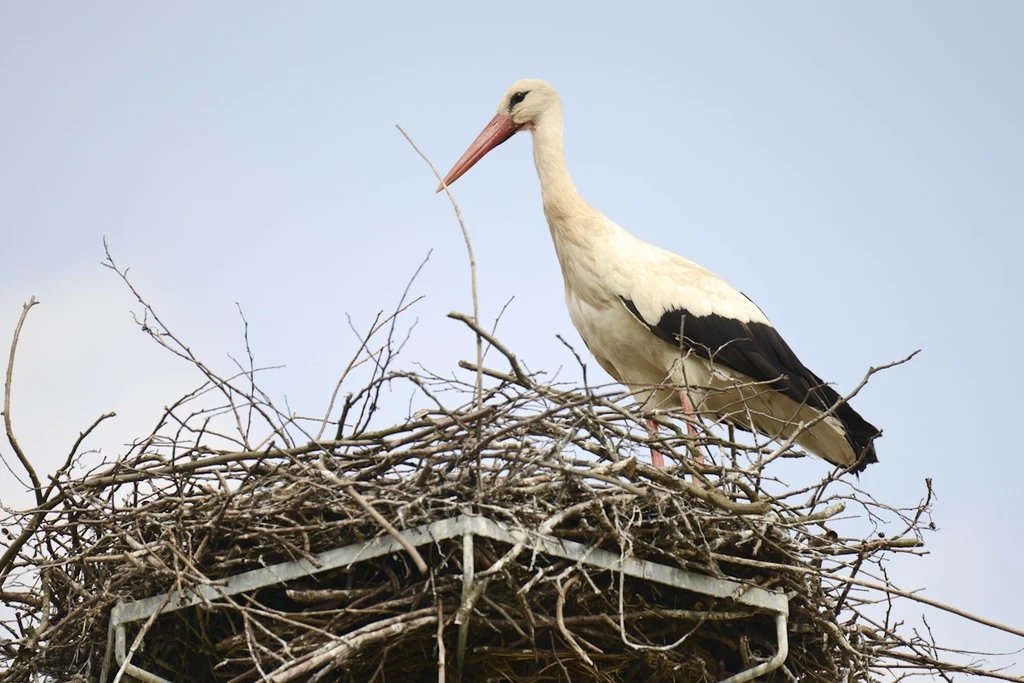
x=861, y=435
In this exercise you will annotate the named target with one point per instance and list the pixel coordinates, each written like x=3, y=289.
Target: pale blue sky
x=856, y=168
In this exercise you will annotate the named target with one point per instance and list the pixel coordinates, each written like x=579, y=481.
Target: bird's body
x=670, y=330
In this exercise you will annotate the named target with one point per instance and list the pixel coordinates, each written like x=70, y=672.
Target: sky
x=856, y=168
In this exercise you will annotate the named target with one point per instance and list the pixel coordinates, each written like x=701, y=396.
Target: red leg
x=690, y=417
x=656, y=457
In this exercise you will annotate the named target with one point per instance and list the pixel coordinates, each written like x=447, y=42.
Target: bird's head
x=524, y=105
x=528, y=101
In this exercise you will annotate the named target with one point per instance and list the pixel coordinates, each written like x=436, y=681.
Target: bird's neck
x=577, y=229
x=561, y=200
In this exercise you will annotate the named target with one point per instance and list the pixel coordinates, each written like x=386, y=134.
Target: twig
x=560, y=619
x=82, y=436
x=138, y=640
x=472, y=269
x=892, y=590
x=441, y=655
x=350, y=644
x=36, y=487
x=481, y=332
x=377, y=517
x=378, y=324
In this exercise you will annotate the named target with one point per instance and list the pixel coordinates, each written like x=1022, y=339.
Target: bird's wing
x=754, y=349
x=684, y=304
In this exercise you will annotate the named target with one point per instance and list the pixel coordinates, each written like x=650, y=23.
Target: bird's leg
x=656, y=457
x=690, y=417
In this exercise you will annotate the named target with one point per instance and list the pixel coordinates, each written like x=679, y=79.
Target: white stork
x=674, y=333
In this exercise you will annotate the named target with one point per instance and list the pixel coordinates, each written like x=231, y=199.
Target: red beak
x=500, y=129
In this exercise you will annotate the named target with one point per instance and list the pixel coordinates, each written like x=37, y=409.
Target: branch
x=481, y=332
x=37, y=489
x=891, y=590
x=82, y=436
x=377, y=326
x=377, y=517
x=472, y=269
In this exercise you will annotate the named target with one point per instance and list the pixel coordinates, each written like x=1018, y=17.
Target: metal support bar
x=641, y=569
x=465, y=613
x=120, y=655
x=463, y=525
x=772, y=664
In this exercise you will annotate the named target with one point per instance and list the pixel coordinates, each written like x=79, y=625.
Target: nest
x=565, y=464
x=198, y=517
x=180, y=511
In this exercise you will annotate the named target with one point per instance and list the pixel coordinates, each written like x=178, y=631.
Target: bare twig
x=36, y=488
x=377, y=326
x=377, y=517
x=138, y=641
x=472, y=268
x=74, y=451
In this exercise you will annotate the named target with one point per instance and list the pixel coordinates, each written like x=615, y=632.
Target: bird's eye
x=517, y=98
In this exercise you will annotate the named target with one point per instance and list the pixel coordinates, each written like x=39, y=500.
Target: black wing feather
x=759, y=352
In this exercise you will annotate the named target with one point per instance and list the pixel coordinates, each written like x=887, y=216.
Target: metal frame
x=464, y=525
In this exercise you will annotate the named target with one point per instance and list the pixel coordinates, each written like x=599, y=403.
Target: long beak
x=500, y=129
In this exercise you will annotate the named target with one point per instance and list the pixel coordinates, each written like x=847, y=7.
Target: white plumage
x=673, y=332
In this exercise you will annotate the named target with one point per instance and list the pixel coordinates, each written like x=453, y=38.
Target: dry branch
x=22, y=458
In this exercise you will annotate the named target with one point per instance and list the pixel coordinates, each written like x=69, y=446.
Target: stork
x=676, y=334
